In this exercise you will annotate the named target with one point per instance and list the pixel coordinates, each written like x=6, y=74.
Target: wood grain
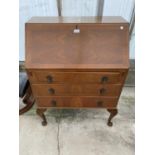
x=77, y=102
x=56, y=46
x=89, y=19
x=40, y=76
x=75, y=89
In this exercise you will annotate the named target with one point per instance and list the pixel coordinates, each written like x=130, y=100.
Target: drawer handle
x=104, y=79
x=54, y=103
x=51, y=91
x=102, y=91
x=99, y=103
x=49, y=78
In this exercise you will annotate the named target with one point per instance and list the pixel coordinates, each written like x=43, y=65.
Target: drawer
x=76, y=89
x=77, y=102
x=75, y=77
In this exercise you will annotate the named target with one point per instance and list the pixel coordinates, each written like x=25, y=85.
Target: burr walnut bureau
x=77, y=62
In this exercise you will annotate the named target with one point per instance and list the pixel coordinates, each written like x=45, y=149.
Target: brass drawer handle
x=99, y=103
x=54, y=103
x=49, y=78
x=102, y=91
x=104, y=79
x=51, y=91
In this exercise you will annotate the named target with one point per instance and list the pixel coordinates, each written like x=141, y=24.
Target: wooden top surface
x=97, y=46
x=98, y=19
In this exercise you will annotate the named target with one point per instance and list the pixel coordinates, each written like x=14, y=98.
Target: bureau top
x=77, y=43
x=97, y=19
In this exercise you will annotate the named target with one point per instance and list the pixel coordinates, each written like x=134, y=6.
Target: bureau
x=77, y=62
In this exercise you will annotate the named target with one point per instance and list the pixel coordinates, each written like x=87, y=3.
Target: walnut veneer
x=79, y=62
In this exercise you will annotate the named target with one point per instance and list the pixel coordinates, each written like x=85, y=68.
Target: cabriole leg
x=113, y=112
x=40, y=112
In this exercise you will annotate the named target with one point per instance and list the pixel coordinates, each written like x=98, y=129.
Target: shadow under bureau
x=77, y=62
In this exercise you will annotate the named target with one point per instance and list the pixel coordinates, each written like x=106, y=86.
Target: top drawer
x=75, y=77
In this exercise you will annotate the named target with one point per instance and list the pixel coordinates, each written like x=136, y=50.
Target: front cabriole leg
x=113, y=112
x=40, y=112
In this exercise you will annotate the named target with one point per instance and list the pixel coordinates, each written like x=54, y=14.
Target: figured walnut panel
x=77, y=102
x=56, y=46
x=40, y=76
x=76, y=89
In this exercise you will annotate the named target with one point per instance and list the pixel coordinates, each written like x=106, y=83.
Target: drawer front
x=87, y=102
x=76, y=89
x=48, y=77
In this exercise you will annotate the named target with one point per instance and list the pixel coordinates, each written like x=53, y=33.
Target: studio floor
x=80, y=132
